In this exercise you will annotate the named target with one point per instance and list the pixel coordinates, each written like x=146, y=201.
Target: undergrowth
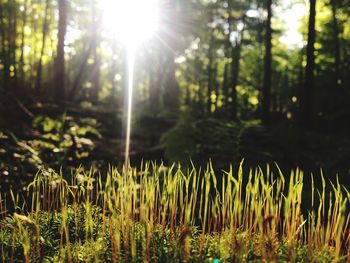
x=166, y=214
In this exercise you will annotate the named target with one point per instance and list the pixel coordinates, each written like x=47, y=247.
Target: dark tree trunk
x=21, y=58
x=39, y=69
x=266, y=91
x=336, y=43
x=216, y=86
x=171, y=99
x=225, y=87
x=4, y=54
x=235, y=68
x=59, y=62
x=227, y=78
x=13, y=45
x=210, y=79
x=154, y=86
x=307, y=99
x=172, y=90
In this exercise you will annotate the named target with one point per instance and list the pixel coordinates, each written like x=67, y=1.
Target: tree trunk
x=225, y=87
x=59, y=63
x=266, y=95
x=235, y=68
x=154, y=86
x=171, y=99
x=96, y=75
x=96, y=72
x=114, y=82
x=227, y=78
x=39, y=69
x=236, y=57
x=307, y=99
x=216, y=86
x=21, y=58
x=336, y=33
x=13, y=44
x=210, y=79
x=4, y=54
x=172, y=90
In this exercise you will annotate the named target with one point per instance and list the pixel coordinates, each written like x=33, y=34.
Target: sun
x=131, y=21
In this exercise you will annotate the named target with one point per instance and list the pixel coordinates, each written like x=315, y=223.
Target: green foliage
x=49, y=143
x=202, y=139
x=134, y=217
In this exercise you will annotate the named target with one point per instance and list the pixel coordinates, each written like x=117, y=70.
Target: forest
x=156, y=117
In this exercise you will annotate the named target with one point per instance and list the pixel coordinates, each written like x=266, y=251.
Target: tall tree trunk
x=59, y=63
x=172, y=90
x=210, y=78
x=154, y=86
x=4, y=54
x=307, y=99
x=235, y=68
x=266, y=95
x=114, y=81
x=225, y=87
x=21, y=58
x=216, y=86
x=336, y=43
x=13, y=44
x=39, y=69
x=227, y=78
x=33, y=43
x=96, y=72
x=171, y=99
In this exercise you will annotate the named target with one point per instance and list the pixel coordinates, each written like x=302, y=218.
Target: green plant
x=167, y=214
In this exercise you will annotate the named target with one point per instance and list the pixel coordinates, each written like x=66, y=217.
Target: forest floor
x=40, y=135
x=35, y=135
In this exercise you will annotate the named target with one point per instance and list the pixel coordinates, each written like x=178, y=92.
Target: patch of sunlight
x=118, y=77
x=27, y=30
x=253, y=100
x=26, y=50
x=291, y=14
x=130, y=21
x=180, y=60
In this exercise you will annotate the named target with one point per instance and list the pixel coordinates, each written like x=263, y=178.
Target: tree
x=45, y=29
x=21, y=59
x=266, y=91
x=96, y=53
x=308, y=87
x=59, y=62
x=4, y=56
x=236, y=51
x=171, y=38
x=210, y=66
x=336, y=37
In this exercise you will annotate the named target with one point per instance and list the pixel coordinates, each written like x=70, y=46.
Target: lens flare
x=131, y=21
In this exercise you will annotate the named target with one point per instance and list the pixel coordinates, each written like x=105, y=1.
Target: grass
x=165, y=214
